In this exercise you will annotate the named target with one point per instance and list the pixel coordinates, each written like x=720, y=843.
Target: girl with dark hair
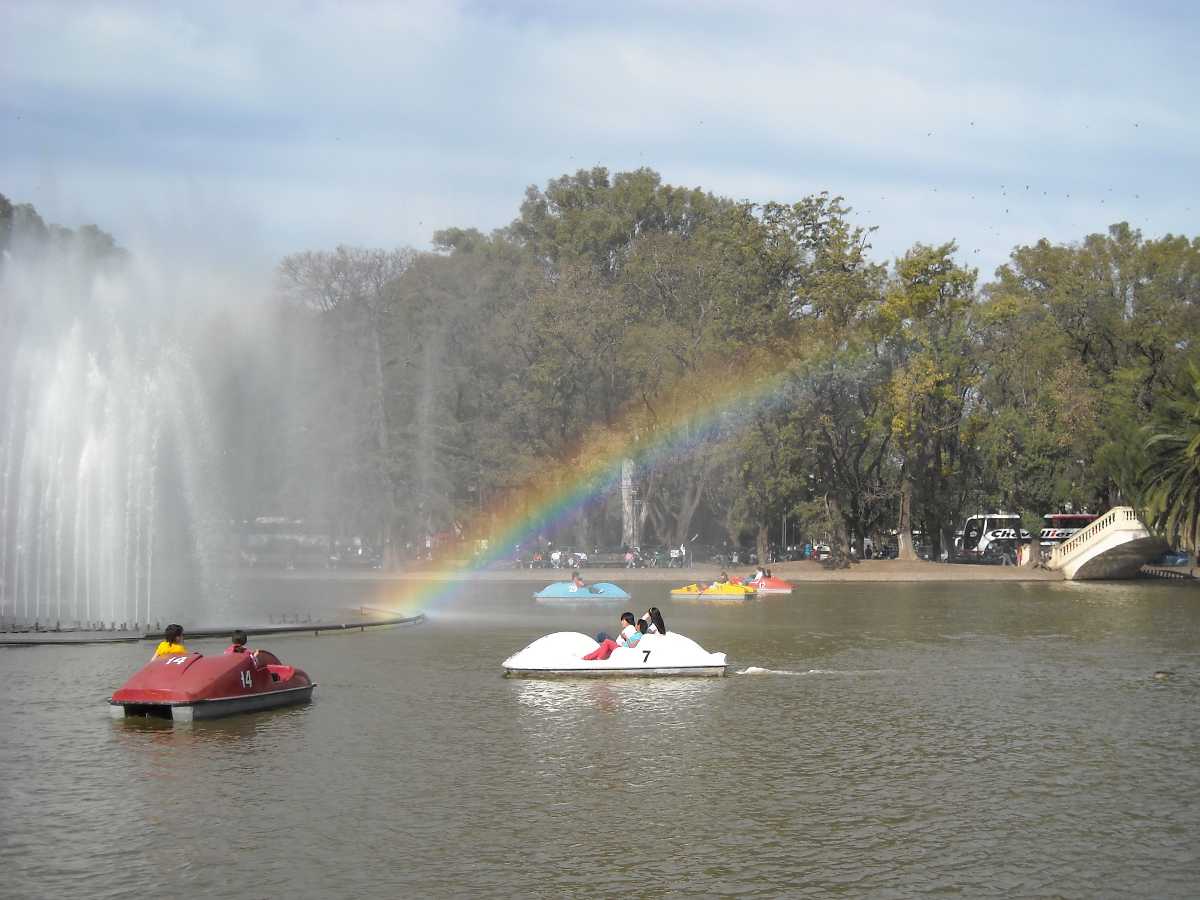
x=172, y=643
x=654, y=617
x=643, y=628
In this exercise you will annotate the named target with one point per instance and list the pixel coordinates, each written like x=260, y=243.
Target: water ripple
x=1013, y=742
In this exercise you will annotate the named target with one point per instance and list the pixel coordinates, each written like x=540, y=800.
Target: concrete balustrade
x=1116, y=545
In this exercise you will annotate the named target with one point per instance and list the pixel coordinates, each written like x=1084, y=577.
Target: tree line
x=410, y=392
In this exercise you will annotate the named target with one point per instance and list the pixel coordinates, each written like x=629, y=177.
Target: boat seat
x=281, y=673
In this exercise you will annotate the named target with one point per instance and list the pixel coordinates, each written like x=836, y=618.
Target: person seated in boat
x=758, y=575
x=723, y=578
x=608, y=645
x=172, y=643
x=239, y=644
x=578, y=584
x=654, y=621
x=642, y=629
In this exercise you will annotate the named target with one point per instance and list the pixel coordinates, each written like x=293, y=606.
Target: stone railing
x=1119, y=518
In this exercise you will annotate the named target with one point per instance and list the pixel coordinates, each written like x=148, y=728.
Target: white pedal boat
x=562, y=654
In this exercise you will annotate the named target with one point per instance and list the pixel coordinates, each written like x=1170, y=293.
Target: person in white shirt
x=608, y=645
x=654, y=620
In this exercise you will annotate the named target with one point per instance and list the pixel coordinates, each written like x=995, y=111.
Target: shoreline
x=806, y=572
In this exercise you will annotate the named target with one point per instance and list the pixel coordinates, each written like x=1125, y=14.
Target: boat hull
x=770, y=585
x=729, y=591
x=566, y=592
x=212, y=709
x=692, y=595
x=680, y=671
x=194, y=686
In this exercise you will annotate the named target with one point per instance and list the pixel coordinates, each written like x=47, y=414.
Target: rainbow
x=725, y=396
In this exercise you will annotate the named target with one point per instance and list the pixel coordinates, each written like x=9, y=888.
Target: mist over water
x=111, y=510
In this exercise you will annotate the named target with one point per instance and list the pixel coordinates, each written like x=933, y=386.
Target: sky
x=243, y=132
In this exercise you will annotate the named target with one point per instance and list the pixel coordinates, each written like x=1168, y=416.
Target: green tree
x=1078, y=342
x=926, y=318
x=349, y=423
x=6, y=224
x=832, y=292
x=590, y=218
x=1171, y=497
x=701, y=309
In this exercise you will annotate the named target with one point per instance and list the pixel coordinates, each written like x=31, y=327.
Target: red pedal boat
x=195, y=686
x=771, y=585
x=765, y=585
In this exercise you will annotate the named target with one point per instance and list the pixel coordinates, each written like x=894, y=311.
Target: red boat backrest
x=281, y=673
x=267, y=658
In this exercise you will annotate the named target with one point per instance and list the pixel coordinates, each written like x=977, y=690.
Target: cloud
x=321, y=123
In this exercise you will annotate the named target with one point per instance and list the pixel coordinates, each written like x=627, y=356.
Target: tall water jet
x=109, y=509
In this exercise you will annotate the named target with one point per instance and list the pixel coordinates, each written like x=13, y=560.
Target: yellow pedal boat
x=715, y=591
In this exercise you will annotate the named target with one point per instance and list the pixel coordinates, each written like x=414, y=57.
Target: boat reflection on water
x=562, y=698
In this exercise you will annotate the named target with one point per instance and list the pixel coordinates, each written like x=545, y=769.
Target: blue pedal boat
x=566, y=590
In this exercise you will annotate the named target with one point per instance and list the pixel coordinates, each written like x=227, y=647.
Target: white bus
x=992, y=535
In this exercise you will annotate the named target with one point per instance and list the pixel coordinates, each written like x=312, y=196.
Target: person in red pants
x=608, y=645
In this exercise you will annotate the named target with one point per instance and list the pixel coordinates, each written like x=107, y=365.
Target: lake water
x=979, y=739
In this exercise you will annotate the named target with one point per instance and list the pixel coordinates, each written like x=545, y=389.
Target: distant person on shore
x=172, y=643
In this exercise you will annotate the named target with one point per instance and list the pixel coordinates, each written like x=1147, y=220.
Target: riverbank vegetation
x=748, y=363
